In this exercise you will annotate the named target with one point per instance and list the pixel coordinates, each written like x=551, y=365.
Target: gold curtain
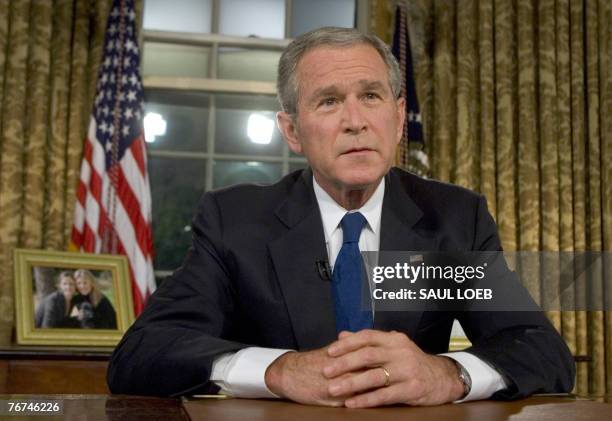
x=516, y=102
x=49, y=58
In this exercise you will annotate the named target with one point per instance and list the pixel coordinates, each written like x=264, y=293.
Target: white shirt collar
x=332, y=213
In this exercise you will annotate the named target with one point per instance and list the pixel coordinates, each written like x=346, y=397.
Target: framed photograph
x=64, y=298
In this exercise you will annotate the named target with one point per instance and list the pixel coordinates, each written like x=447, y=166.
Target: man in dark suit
x=251, y=289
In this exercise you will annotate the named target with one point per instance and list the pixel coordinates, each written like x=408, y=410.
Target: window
x=209, y=70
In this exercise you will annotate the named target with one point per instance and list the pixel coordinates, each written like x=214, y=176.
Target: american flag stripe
x=124, y=229
x=132, y=180
x=139, y=157
x=129, y=218
x=126, y=234
x=90, y=239
x=139, y=298
x=113, y=206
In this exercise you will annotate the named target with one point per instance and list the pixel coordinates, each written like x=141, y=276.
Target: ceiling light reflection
x=260, y=128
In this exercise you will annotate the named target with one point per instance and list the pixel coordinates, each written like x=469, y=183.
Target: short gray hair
x=287, y=84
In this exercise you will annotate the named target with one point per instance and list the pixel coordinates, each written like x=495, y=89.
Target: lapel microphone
x=324, y=270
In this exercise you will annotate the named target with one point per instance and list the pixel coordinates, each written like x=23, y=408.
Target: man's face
x=348, y=122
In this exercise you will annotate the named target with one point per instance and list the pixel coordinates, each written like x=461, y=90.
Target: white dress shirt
x=242, y=374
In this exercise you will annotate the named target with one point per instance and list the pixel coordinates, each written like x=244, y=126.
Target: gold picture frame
x=43, y=289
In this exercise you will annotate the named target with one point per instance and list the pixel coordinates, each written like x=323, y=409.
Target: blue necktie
x=352, y=313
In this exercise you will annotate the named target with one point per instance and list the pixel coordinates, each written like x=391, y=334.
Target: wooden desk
x=53, y=369
x=50, y=370
x=134, y=408
x=105, y=407
x=537, y=408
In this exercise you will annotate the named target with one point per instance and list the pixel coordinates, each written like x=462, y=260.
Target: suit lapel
x=308, y=297
x=399, y=215
x=295, y=256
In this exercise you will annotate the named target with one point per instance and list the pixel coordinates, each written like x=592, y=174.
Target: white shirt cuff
x=485, y=379
x=242, y=374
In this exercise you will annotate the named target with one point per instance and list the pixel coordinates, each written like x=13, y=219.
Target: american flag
x=113, y=207
x=412, y=154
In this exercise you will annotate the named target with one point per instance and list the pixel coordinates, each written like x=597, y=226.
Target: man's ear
x=401, y=117
x=288, y=128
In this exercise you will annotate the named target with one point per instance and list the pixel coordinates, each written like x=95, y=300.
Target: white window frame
x=213, y=85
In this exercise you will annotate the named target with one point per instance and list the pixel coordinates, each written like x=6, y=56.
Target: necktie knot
x=352, y=224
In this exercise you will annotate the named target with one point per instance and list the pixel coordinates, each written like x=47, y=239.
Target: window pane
x=163, y=59
x=246, y=125
x=186, y=120
x=176, y=186
x=227, y=173
x=242, y=64
x=294, y=166
x=261, y=18
x=178, y=15
x=311, y=14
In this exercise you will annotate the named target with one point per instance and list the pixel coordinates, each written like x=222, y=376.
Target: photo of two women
x=73, y=299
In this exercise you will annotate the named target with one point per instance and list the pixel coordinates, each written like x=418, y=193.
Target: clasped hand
x=352, y=372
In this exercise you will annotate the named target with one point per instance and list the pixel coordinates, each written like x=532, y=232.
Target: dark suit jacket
x=250, y=279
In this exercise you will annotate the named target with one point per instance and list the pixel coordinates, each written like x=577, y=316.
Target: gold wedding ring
x=388, y=377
